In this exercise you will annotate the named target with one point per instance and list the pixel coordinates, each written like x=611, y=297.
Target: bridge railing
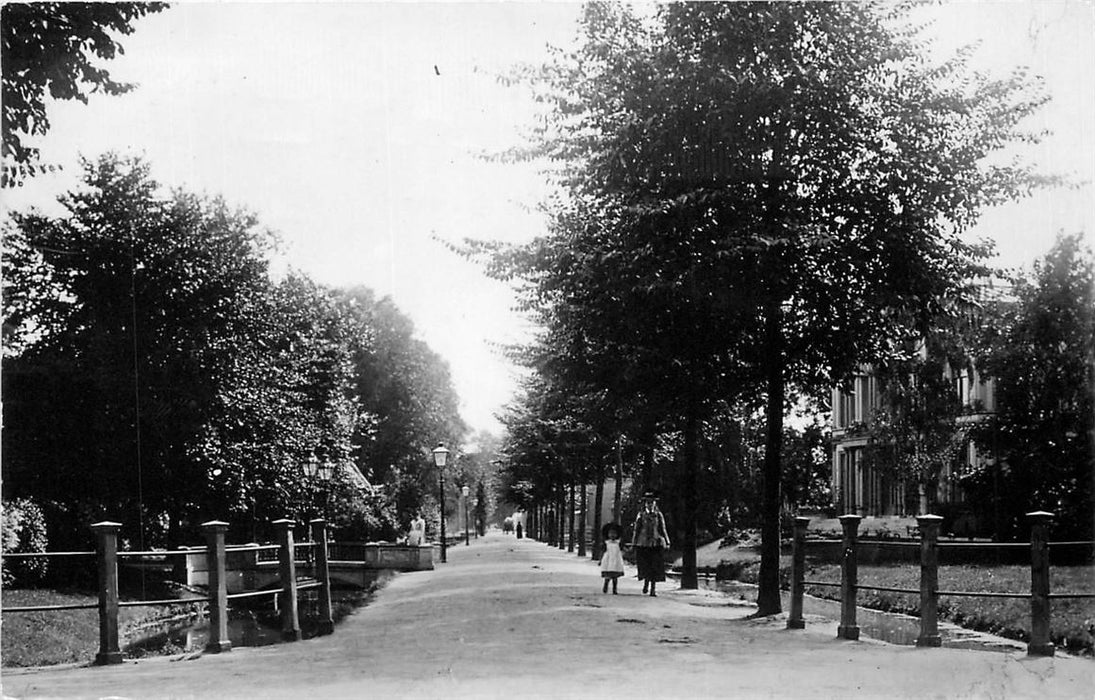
x=216, y=553
x=929, y=592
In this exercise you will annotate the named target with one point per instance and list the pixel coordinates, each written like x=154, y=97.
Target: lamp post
x=440, y=456
x=322, y=471
x=467, y=540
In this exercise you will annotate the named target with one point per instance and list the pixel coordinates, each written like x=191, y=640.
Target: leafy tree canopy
x=770, y=193
x=1040, y=348
x=47, y=50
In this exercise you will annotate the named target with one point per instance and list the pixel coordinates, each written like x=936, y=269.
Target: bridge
x=353, y=564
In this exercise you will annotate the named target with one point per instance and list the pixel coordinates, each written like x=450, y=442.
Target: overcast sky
x=354, y=130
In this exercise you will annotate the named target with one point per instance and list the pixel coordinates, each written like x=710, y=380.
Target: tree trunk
x=561, y=505
x=689, y=579
x=583, y=519
x=549, y=515
x=570, y=518
x=768, y=597
x=598, y=508
x=648, y=464
x=618, y=495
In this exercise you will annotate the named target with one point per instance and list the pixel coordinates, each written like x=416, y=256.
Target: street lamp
x=314, y=469
x=467, y=540
x=440, y=456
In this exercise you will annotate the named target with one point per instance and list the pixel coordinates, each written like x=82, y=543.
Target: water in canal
x=892, y=628
x=255, y=626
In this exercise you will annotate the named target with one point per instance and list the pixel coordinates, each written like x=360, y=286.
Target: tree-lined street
x=748, y=265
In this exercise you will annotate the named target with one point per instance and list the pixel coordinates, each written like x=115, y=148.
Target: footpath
x=509, y=618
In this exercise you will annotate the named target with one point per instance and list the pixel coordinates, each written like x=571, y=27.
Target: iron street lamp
x=314, y=469
x=440, y=456
x=467, y=540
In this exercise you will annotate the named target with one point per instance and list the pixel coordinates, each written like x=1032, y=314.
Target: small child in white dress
x=612, y=561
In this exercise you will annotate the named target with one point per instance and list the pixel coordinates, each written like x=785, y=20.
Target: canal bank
x=509, y=617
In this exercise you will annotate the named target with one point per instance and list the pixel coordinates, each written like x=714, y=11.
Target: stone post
x=287, y=570
x=323, y=575
x=795, y=620
x=849, y=573
x=106, y=534
x=1039, y=585
x=218, y=586
x=929, y=581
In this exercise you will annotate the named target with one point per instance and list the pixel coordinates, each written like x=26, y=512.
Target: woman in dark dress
x=650, y=540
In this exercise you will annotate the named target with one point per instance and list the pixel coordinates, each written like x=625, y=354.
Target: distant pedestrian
x=650, y=540
x=520, y=532
x=612, y=561
x=417, y=532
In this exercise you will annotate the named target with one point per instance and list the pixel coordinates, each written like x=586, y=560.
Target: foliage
x=408, y=388
x=128, y=342
x=1040, y=349
x=24, y=530
x=361, y=517
x=807, y=452
x=730, y=481
x=47, y=47
x=757, y=198
x=158, y=376
x=916, y=431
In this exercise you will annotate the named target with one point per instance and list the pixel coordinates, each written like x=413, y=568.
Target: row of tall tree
x=157, y=373
x=754, y=200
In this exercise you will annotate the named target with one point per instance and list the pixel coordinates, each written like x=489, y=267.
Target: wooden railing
x=928, y=529
x=216, y=551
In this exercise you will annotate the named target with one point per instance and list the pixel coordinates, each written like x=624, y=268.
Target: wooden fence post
x=218, y=586
x=107, y=544
x=795, y=620
x=848, y=629
x=1039, y=584
x=287, y=570
x=323, y=575
x=929, y=581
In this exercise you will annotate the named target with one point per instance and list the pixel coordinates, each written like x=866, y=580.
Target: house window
x=850, y=481
x=962, y=387
x=843, y=407
x=848, y=405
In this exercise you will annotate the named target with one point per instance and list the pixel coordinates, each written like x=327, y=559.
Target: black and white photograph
x=495, y=349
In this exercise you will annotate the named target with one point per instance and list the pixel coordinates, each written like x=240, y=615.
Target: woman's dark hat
x=610, y=527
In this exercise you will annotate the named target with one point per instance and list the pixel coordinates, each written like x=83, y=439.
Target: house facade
x=864, y=489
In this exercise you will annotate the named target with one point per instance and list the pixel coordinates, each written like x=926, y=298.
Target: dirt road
x=508, y=618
